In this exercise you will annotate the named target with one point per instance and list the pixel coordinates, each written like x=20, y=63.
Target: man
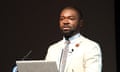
x=84, y=55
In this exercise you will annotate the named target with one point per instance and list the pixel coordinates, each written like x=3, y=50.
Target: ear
x=81, y=23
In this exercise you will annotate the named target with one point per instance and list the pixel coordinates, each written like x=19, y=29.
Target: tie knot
x=67, y=42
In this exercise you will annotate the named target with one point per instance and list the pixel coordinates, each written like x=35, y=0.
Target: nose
x=65, y=21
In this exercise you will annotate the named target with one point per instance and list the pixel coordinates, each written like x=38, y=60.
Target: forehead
x=69, y=12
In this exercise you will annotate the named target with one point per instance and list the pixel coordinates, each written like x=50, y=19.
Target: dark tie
x=64, y=56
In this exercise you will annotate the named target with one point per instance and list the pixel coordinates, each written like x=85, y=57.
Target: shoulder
x=89, y=42
x=90, y=46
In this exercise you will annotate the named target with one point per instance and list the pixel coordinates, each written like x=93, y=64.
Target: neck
x=67, y=36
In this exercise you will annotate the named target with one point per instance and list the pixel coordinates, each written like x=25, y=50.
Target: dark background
x=33, y=25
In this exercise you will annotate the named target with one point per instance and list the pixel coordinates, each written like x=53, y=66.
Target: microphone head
x=72, y=50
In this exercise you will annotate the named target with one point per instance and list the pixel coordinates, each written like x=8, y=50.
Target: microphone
x=15, y=67
x=72, y=50
x=27, y=55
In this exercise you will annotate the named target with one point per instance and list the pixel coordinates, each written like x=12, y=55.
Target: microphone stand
x=15, y=69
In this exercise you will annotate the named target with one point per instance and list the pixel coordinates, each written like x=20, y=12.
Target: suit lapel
x=76, y=46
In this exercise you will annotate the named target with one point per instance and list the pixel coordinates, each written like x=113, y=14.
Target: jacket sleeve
x=93, y=59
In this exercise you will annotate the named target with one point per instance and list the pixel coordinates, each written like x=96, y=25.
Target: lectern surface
x=36, y=66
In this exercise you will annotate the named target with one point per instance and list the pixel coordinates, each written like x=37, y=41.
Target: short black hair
x=74, y=7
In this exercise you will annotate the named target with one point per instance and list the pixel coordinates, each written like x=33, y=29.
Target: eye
x=61, y=18
x=72, y=18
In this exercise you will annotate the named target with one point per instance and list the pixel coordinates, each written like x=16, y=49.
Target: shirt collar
x=73, y=38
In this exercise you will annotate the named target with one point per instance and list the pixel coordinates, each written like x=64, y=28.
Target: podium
x=36, y=66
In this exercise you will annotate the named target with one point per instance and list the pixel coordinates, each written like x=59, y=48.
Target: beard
x=68, y=34
x=69, y=31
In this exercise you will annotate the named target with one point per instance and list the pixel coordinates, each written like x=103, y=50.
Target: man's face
x=69, y=21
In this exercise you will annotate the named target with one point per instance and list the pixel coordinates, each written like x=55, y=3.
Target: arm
x=93, y=59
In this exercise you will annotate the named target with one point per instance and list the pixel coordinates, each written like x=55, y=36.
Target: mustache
x=66, y=26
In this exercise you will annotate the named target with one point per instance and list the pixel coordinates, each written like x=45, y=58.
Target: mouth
x=65, y=28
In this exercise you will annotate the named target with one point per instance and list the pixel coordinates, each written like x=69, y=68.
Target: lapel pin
x=77, y=45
